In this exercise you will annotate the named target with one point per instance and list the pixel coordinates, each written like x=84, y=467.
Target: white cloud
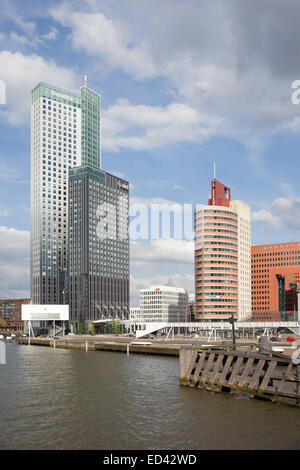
x=220, y=65
x=3, y=213
x=159, y=252
x=183, y=280
x=26, y=33
x=271, y=221
x=15, y=262
x=158, y=218
x=172, y=259
x=16, y=242
x=142, y=127
x=288, y=210
x=283, y=212
x=52, y=35
x=102, y=37
x=9, y=174
x=19, y=39
x=21, y=73
x=148, y=202
x=177, y=187
x=195, y=50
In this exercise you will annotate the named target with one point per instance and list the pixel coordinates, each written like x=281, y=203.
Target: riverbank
x=118, y=344
x=125, y=344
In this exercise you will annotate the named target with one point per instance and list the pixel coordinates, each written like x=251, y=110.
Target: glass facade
x=79, y=213
x=55, y=147
x=98, y=246
x=65, y=133
x=90, y=128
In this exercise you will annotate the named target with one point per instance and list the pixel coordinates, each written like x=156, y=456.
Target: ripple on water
x=69, y=399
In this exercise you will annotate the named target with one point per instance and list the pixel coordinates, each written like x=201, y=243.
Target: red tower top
x=220, y=194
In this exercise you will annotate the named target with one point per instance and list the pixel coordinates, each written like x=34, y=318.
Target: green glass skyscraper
x=79, y=213
x=65, y=133
x=56, y=141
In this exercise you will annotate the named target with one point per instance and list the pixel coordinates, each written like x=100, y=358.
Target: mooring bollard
x=264, y=342
x=54, y=346
x=296, y=362
x=187, y=358
x=127, y=349
x=86, y=346
x=2, y=352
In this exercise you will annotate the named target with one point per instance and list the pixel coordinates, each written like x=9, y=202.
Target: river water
x=71, y=399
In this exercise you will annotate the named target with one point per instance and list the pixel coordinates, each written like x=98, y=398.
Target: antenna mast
x=214, y=186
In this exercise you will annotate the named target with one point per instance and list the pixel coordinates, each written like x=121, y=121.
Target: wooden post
x=198, y=369
x=186, y=357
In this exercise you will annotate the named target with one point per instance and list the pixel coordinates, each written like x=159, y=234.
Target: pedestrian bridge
x=145, y=328
x=148, y=327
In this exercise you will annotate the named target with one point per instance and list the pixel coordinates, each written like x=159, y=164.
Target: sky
x=184, y=84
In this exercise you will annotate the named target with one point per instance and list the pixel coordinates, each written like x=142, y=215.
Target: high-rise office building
x=98, y=247
x=222, y=257
x=275, y=280
x=65, y=133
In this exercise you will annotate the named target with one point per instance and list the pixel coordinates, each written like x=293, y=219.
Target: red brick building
x=10, y=312
x=269, y=263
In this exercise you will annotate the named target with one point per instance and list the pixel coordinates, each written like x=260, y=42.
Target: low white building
x=163, y=304
x=135, y=314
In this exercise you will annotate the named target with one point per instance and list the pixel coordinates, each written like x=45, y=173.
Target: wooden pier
x=255, y=370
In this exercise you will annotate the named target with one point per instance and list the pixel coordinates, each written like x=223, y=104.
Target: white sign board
x=45, y=312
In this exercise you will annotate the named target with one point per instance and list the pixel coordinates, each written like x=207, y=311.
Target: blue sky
x=184, y=84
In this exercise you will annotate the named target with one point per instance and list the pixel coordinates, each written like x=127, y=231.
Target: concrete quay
x=106, y=343
x=125, y=344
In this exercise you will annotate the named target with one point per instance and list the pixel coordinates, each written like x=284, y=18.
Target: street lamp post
x=233, y=330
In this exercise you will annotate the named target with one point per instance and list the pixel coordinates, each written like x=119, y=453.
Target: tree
x=3, y=323
x=93, y=330
x=116, y=327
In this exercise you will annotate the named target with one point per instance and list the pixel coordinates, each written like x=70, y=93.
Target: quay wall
x=92, y=345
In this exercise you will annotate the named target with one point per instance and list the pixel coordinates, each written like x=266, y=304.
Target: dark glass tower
x=98, y=247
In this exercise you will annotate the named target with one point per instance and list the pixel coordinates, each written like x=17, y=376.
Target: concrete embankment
x=126, y=344
x=119, y=345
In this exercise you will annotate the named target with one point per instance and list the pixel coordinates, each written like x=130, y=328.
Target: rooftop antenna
x=214, y=186
x=85, y=79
